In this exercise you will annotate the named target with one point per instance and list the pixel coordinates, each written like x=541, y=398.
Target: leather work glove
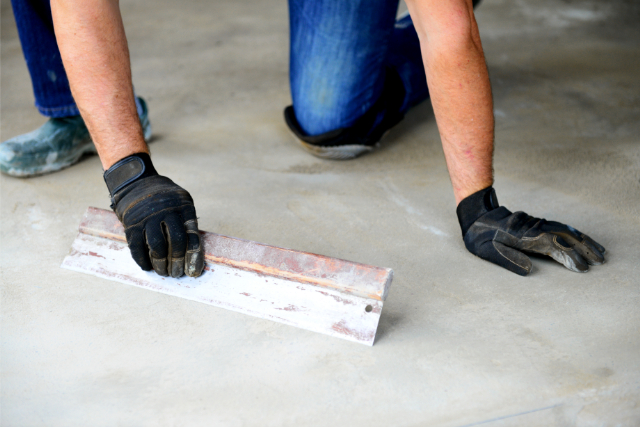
x=493, y=233
x=158, y=216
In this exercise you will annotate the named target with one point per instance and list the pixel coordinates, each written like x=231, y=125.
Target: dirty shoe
x=57, y=144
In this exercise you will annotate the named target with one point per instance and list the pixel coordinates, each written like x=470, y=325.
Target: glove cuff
x=128, y=170
x=474, y=206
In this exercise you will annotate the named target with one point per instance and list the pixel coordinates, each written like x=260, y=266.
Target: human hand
x=158, y=216
x=493, y=233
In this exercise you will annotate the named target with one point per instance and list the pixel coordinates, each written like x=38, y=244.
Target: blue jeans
x=340, y=51
x=40, y=49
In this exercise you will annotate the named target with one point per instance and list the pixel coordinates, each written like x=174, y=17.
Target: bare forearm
x=94, y=51
x=460, y=90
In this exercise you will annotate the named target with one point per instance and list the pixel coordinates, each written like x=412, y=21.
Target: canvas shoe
x=57, y=144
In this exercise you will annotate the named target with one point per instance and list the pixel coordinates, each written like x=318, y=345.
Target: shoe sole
x=339, y=152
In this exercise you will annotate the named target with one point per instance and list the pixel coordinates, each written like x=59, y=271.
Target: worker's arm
x=159, y=216
x=95, y=54
x=460, y=92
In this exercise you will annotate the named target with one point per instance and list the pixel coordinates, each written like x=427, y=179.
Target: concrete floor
x=460, y=342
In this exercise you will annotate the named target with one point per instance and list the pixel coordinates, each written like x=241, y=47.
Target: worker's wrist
x=474, y=206
x=128, y=170
x=127, y=145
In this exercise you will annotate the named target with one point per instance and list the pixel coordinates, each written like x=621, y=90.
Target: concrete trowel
x=322, y=294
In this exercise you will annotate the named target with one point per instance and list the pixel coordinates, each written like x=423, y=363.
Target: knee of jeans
x=324, y=106
x=317, y=103
x=317, y=118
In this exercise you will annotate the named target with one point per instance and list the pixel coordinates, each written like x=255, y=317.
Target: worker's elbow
x=445, y=26
x=460, y=32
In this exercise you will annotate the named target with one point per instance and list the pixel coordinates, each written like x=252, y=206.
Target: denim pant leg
x=406, y=58
x=339, y=55
x=338, y=52
x=40, y=49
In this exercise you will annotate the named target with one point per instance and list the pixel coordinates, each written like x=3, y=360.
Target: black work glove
x=493, y=233
x=158, y=216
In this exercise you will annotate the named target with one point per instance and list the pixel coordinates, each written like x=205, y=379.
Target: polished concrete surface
x=461, y=342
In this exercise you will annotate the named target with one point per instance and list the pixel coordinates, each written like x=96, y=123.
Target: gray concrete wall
x=461, y=342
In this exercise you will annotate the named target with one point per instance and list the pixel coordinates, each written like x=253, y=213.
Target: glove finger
x=509, y=258
x=138, y=248
x=194, y=261
x=594, y=243
x=556, y=247
x=585, y=248
x=176, y=236
x=583, y=237
x=158, y=248
x=561, y=251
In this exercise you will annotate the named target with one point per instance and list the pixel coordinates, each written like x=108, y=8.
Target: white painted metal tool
x=322, y=294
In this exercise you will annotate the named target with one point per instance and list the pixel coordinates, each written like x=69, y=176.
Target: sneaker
x=365, y=134
x=57, y=144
